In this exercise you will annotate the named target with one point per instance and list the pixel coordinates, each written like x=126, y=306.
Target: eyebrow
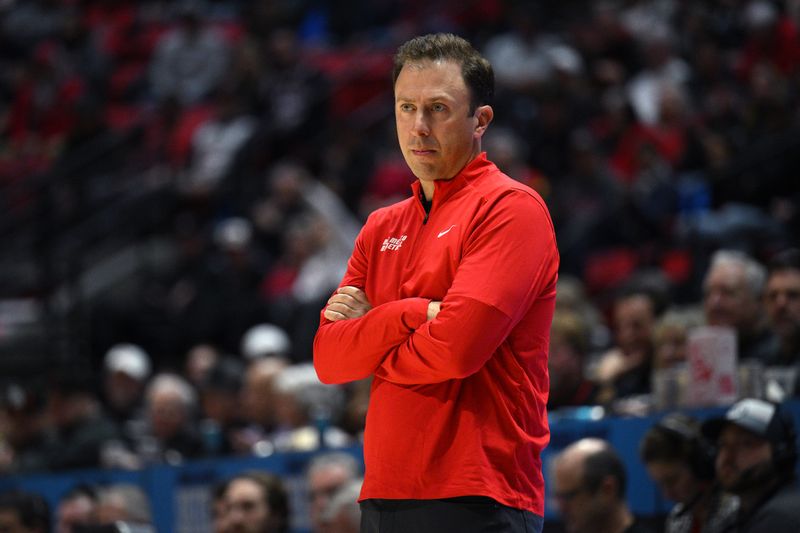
x=436, y=98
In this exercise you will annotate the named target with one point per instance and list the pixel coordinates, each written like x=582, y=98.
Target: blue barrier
x=180, y=495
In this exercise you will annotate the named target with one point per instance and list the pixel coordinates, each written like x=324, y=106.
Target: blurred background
x=181, y=183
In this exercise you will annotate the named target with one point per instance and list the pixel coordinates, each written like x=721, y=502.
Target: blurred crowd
x=664, y=136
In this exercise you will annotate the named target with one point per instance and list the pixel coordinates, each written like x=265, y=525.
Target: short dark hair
x=601, y=464
x=32, y=509
x=658, y=444
x=275, y=495
x=788, y=259
x=677, y=438
x=475, y=69
x=80, y=490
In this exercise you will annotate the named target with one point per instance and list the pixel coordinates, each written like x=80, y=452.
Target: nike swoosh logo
x=443, y=233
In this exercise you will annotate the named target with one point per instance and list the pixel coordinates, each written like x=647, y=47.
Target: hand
x=433, y=309
x=348, y=302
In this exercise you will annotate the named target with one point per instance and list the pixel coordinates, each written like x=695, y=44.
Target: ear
x=609, y=487
x=483, y=115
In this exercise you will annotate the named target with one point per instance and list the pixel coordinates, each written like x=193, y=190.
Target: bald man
x=589, y=485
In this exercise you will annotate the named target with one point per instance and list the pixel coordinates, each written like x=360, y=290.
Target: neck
x=617, y=521
x=701, y=503
x=427, y=189
x=750, y=499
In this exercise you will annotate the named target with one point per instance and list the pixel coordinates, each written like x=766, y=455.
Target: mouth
x=422, y=151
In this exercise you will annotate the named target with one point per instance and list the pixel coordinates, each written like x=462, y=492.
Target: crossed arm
x=416, y=341
x=351, y=302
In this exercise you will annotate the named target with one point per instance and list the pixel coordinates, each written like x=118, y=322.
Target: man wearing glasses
x=589, y=486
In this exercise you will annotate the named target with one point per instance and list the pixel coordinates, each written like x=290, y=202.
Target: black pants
x=457, y=515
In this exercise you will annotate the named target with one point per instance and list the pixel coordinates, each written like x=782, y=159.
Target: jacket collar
x=444, y=189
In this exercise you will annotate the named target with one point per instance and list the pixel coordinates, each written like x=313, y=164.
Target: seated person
x=681, y=463
x=756, y=457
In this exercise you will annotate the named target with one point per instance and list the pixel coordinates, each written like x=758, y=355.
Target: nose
x=421, y=126
x=713, y=299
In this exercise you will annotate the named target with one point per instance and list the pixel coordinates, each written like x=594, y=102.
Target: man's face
x=727, y=300
x=579, y=507
x=564, y=366
x=437, y=130
x=633, y=323
x=674, y=479
x=322, y=483
x=79, y=510
x=167, y=414
x=670, y=347
x=246, y=509
x=782, y=301
x=122, y=390
x=744, y=460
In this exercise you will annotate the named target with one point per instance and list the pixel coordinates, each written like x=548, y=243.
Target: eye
x=438, y=107
x=406, y=107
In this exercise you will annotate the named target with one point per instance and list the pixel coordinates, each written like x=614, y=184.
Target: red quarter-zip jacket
x=457, y=405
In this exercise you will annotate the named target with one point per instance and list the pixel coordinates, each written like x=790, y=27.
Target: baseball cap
x=759, y=417
x=128, y=359
x=265, y=339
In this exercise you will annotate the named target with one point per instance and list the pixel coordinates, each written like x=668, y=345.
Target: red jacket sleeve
x=348, y=350
x=510, y=260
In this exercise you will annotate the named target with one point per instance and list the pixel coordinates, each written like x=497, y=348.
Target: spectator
x=294, y=96
x=256, y=502
x=782, y=304
x=78, y=507
x=327, y=474
x=681, y=463
x=306, y=410
x=190, y=60
x=625, y=369
x=123, y=503
x=27, y=442
x=81, y=425
x=258, y=402
x=43, y=110
x=772, y=39
x=265, y=340
x=127, y=368
x=589, y=483
x=215, y=145
x=569, y=350
x=670, y=334
x=24, y=512
x=586, y=203
x=342, y=514
x=200, y=359
x=756, y=457
x=171, y=409
x=221, y=406
x=312, y=232
x=732, y=297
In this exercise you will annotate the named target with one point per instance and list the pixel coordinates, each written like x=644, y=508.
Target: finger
x=353, y=292
x=333, y=316
x=343, y=299
x=343, y=303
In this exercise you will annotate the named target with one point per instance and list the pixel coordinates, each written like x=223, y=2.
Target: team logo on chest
x=393, y=243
